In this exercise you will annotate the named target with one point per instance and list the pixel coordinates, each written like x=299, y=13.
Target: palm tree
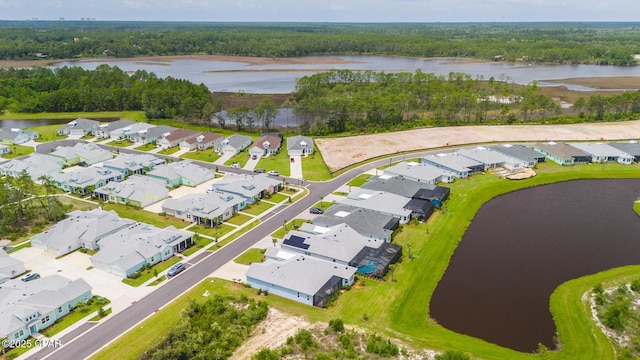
x=392, y=269
x=274, y=241
x=409, y=244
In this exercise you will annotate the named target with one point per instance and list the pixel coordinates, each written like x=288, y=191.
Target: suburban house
x=366, y=222
x=9, y=267
x=460, y=166
x=36, y=165
x=299, y=145
x=380, y=201
x=528, y=156
x=129, y=130
x=79, y=127
x=175, y=137
x=150, y=135
x=138, y=191
x=209, y=209
x=105, y=130
x=266, y=145
x=202, y=142
x=601, y=153
x=341, y=244
x=249, y=187
x=138, y=246
x=182, y=173
x=491, y=159
x=235, y=143
x=16, y=136
x=88, y=153
x=131, y=164
x=300, y=278
x=4, y=149
x=562, y=153
x=420, y=172
x=27, y=308
x=80, y=229
x=630, y=147
x=418, y=192
x=85, y=180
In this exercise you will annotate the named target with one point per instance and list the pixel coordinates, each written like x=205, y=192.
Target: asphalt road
x=98, y=336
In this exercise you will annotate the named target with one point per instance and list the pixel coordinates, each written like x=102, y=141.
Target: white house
x=9, y=267
x=299, y=145
x=79, y=127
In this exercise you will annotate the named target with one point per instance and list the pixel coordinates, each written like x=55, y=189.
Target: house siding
x=290, y=294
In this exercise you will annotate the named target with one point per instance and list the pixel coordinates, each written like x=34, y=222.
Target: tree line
x=106, y=88
x=568, y=43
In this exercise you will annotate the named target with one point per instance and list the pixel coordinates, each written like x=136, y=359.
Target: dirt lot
x=344, y=151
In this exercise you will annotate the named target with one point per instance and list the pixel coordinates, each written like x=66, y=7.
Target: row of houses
x=16, y=136
x=588, y=152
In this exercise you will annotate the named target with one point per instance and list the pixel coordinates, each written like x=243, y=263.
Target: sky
x=323, y=10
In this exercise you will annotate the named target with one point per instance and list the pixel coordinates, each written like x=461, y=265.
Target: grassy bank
x=133, y=115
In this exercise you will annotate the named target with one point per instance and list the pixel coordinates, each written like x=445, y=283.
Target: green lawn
x=147, y=274
x=120, y=143
x=323, y=204
x=75, y=204
x=240, y=158
x=281, y=232
x=208, y=155
x=201, y=242
x=22, y=245
x=314, y=168
x=16, y=352
x=234, y=236
x=278, y=197
x=169, y=151
x=257, y=208
x=133, y=115
x=106, y=312
x=279, y=162
x=146, y=147
x=145, y=216
x=239, y=219
x=359, y=180
x=17, y=151
x=636, y=207
x=157, y=281
x=74, y=316
x=216, y=232
x=252, y=255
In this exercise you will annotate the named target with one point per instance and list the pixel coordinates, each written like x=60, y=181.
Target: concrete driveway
x=180, y=192
x=295, y=167
x=222, y=159
x=251, y=163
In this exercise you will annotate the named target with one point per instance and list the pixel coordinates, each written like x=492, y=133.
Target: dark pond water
x=524, y=244
x=227, y=76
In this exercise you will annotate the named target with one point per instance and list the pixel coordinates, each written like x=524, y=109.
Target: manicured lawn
x=76, y=204
x=216, y=232
x=200, y=243
x=17, y=151
x=314, y=168
x=359, y=180
x=234, y=236
x=240, y=158
x=278, y=197
x=16, y=352
x=120, y=143
x=146, y=147
x=281, y=232
x=48, y=132
x=169, y=151
x=323, y=204
x=145, y=216
x=636, y=207
x=252, y=255
x=279, y=162
x=147, y=274
x=257, y=208
x=23, y=245
x=74, y=316
x=203, y=155
x=157, y=281
x=106, y=313
x=239, y=219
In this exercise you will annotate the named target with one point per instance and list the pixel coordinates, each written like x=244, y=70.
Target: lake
x=522, y=245
x=228, y=76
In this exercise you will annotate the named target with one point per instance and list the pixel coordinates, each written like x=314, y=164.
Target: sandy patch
x=344, y=151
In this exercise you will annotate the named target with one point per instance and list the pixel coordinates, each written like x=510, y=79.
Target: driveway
x=295, y=167
x=180, y=192
x=251, y=164
x=222, y=159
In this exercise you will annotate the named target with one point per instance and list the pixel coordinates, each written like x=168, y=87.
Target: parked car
x=235, y=165
x=83, y=164
x=176, y=269
x=259, y=170
x=30, y=276
x=254, y=157
x=293, y=159
x=315, y=210
x=273, y=173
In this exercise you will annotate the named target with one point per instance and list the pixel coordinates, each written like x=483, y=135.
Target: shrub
x=266, y=354
x=598, y=288
x=304, y=339
x=453, y=355
x=337, y=325
x=635, y=285
x=377, y=345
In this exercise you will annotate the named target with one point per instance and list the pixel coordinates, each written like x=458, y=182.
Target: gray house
x=134, y=163
x=208, y=209
x=36, y=165
x=420, y=172
x=235, y=144
x=460, y=166
x=366, y=222
x=249, y=187
x=562, y=153
x=380, y=202
x=182, y=173
x=629, y=147
x=9, y=267
x=299, y=145
x=29, y=307
x=129, y=130
x=85, y=180
x=150, y=135
x=16, y=136
x=601, y=152
x=105, y=130
x=491, y=159
x=138, y=191
x=527, y=155
x=79, y=127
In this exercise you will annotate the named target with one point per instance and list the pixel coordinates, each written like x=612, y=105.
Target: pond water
x=522, y=245
x=226, y=76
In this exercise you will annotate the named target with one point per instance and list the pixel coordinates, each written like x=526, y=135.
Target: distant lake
x=227, y=76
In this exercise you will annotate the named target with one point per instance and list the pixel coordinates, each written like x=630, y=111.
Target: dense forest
x=104, y=89
x=568, y=43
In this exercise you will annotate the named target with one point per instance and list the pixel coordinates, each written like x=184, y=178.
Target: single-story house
x=16, y=136
x=491, y=159
x=601, y=152
x=85, y=180
x=408, y=188
x=150, y=135
x=249, y=187
x=235, y=143
x=175, y=137
x=80, y=229
x=27, y=308
x=137, y=246
x=105, y=130
x=380, y=201
x=79, y=127
x=420, y=172
x=203, y=141
x=88, y=153
x=420, y=209
x=138, y=191
x=300, y=278
x=366, y=222
x=629, y=147
x=437, y=195
x=36, y=165
x=209, y=209
x=460, y=166
x=182, y=173
x=527, y=155
x=4, y=149
x=562, y=153
x=129, y=130
x=9, y=267
x=266, y=145
x=131, y=164
x=299, y=145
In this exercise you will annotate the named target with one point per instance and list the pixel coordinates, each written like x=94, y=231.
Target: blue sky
x=324, y=10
